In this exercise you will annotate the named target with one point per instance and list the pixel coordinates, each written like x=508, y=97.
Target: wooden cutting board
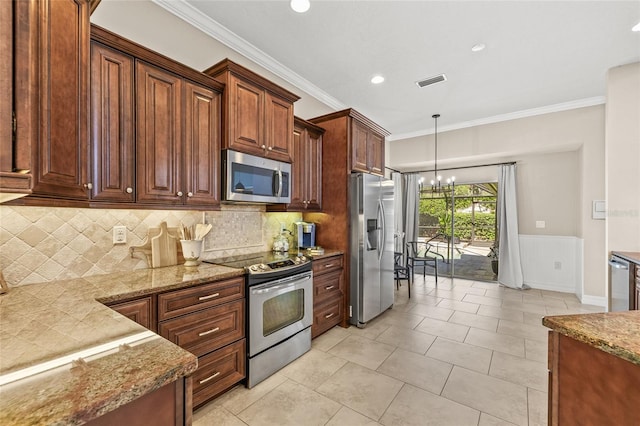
x=164, y=248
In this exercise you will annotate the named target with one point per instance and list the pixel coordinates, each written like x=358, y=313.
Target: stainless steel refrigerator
x=372, y=247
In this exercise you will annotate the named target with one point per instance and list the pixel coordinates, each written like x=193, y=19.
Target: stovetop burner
x=263, y=262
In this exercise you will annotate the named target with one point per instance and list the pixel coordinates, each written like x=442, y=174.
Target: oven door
x=278, y=310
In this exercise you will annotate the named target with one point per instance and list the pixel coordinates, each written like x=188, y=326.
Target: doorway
x=464, y=238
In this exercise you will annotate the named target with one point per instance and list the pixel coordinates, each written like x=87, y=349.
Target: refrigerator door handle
x=381, y=230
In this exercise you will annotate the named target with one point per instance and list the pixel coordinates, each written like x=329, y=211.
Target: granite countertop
x=49, y=322
x=628, y=255
x=617, y=333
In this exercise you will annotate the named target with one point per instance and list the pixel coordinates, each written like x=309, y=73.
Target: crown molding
x=214, y=29
x=565, y=106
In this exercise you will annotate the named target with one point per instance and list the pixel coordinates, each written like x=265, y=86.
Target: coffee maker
x=305, y=234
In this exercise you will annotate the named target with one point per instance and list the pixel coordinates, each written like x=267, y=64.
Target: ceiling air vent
x=431, y=80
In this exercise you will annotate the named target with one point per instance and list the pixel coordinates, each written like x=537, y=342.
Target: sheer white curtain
x=509, y=265
x=411, y=198
x=398, y=213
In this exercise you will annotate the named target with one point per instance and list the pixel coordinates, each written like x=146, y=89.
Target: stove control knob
x=296, y=260
x=303, y=258
x=253, y=268
x=263, y=267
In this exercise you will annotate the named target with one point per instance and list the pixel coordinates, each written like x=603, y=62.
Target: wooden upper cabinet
x=156, y=127
x=158, y=135
x=258, y=114
x=112, y=125
x=245, y=126
x=306, y=169
x=355, y=137
x=367, y=153
x=51, y=98
x=202, y=145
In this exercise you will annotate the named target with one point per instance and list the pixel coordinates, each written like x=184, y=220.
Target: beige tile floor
x=464, y=353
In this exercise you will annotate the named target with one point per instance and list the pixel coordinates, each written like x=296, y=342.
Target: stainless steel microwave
x=253, y=179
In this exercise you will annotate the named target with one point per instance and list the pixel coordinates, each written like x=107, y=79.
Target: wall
x=43, y=244
x=186, y=44
x=560, y=170
x=623, y=158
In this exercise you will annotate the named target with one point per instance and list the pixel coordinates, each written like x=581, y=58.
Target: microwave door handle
x=279, y=193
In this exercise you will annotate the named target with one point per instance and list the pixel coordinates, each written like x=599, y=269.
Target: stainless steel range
x=280, y=310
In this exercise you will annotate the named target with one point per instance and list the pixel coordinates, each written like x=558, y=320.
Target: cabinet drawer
x=326, y=286
x=327, y=264
x=205, y=331
x=180, y=302
x=326, y=316
x=139, y=310
x=218, y=371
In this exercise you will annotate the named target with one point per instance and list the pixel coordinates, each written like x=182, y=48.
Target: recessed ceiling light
x=636, y=27
x=300, y=6
x=478, y=47
x=377, y=79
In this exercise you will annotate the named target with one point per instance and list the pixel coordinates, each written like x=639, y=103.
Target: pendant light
x=436, y=182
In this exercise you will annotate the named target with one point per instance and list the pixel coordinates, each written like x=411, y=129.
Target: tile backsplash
x=41, y=244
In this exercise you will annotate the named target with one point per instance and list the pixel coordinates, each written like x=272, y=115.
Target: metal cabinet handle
x=189, y=194
x=88, y=185
x=264, y=147
x=329, y=287
x=211, y=296
x=129, y=190
x=329, y=265
x=179, y=194
x=270, y=148
x=213, y=330
x=329, y=315
x=216, y=374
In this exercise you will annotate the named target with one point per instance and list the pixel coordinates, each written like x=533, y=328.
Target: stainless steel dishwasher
x=621, y=284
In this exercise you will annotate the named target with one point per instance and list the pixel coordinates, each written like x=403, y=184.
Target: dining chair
x=422, y=254
x=401, y=271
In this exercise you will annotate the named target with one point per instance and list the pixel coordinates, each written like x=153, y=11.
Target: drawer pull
x=328, y=315
x=329, y=287
x=209, y=296
x=213, y=330
x=329, y=265
x=216, y=374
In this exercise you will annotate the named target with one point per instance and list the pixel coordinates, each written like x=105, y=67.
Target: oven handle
x=280, y=284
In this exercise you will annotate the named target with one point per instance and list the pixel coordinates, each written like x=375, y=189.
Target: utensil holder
x=191, y=250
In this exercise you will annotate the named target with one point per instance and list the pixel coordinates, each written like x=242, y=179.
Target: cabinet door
x=313, y=167
x=112, y=131
x=298, y=171
x=202, y=145
x=140, y=311
x=359, y=135
x=245, y=118
x=375, y=153
x=279, y=128
x=52, y=94
x=158, y=138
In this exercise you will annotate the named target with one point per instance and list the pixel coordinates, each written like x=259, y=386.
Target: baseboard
x=594, y=300
x=550, y=287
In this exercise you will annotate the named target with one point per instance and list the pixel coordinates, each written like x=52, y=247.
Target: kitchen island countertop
x=617, y=333
x=49, y=322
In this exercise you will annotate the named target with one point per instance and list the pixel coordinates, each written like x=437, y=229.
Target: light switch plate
x=119, y=235
x=540, y=224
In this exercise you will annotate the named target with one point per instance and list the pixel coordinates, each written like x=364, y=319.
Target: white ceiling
x=541, y=56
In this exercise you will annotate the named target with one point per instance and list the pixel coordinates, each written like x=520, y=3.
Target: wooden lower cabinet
x=328, y=293
x=588, y=386
x=138, y=310
x=208, y=320
x=218, y=371
x=168, y=405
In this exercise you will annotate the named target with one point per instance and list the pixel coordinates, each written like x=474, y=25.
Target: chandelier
x=436, y=183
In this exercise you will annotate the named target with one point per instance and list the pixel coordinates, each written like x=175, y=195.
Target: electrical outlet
x=540, y=224
x=119, y=234
x=557, y=265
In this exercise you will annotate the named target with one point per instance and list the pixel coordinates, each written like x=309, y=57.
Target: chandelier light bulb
x=439, y=178
x=453, y=178
x=432, y=182
x=448, y=181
